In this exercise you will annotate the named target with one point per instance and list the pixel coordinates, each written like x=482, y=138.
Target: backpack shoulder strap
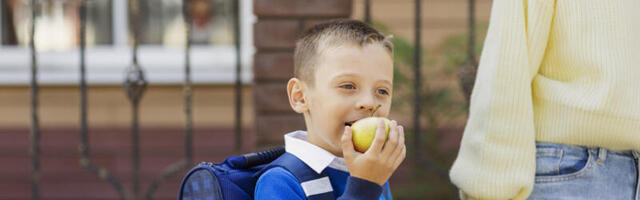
x=316, y=186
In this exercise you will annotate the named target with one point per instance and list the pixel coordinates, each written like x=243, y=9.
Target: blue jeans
x=574, y=172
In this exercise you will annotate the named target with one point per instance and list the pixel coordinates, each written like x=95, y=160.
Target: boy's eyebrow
x=344, y=75
x=386, y=82
x=356, y=75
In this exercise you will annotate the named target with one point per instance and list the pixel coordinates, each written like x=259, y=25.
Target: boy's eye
x=383, y=92
x=348, y=86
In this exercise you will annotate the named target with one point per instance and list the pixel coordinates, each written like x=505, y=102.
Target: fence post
x=417, y=63
x=35, y=125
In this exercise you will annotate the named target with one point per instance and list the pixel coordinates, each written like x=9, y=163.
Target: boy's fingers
x=390, y=146
x=347, y=143
x=400, y=158
x=398, y=150
x=378, y=141
x=401, y=135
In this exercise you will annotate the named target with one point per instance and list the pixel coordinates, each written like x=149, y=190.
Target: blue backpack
x=236, y=177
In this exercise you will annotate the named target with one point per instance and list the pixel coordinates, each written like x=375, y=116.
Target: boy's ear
x=296, y=94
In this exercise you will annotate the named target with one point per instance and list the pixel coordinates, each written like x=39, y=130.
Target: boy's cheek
x=383, y=113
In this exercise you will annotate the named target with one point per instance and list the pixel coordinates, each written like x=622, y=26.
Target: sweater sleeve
x=497, y=153
x=360, y=189
x=278, y=183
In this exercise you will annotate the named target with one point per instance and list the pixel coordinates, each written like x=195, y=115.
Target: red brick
x=63, y=178
x=271, y=128
x=278, y=34
x=302, y=8
x=271, y=98
x=273, y=66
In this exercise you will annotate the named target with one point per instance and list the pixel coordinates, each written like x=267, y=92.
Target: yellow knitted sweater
x=561, y=71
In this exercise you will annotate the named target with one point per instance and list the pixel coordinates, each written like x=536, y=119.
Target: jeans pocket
x=555, y=164
x=548, y=161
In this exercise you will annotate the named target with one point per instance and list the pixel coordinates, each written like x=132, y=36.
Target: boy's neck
x=319, y=142
x=314, y=138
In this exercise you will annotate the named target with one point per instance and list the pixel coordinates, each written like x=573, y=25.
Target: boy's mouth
x=349, y=123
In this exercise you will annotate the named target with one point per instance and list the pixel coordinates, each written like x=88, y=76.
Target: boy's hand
x=380, y=160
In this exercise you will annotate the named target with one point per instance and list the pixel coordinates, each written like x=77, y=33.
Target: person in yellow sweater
x=555, y=110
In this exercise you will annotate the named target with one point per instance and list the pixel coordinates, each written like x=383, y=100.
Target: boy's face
x=350, y=81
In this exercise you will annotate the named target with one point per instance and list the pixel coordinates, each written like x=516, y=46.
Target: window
x=163, y=22
x=57, y=24
x=109, y=39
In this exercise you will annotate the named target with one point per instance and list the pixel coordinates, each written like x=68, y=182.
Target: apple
x=364, y=131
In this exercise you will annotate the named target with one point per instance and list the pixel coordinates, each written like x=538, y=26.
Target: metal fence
x=135, y=85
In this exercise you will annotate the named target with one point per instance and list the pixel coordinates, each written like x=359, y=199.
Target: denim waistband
x=573, y=149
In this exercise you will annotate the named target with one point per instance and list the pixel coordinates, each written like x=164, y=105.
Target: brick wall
x=61, y=176
x=275, y=32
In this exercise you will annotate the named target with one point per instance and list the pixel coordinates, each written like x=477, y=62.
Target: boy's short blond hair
x=330, y=34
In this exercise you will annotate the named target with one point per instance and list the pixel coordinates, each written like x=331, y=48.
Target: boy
x=343, y=71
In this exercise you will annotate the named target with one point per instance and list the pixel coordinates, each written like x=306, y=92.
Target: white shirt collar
x=315, y=157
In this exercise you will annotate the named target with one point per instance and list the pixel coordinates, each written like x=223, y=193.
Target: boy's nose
x=366, y=103
x=367, y=107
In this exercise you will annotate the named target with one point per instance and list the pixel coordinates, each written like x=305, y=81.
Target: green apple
x=364, y=131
